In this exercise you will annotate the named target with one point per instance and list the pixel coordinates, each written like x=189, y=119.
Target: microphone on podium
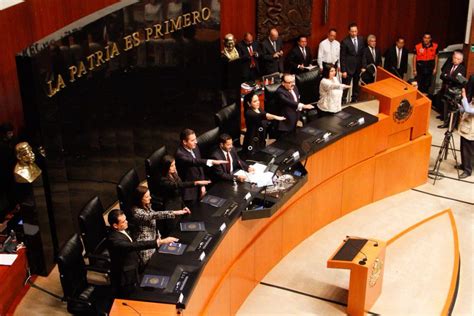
x=364, y=260
x=130, y=306
x=376, y=243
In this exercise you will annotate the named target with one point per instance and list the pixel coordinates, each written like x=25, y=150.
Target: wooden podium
x=366, y=260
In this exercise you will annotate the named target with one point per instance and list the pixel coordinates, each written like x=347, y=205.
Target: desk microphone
x=399, y=76
x=125, y=304
x=376, y=243
x=363, y=261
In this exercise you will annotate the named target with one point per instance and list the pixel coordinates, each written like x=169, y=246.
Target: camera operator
x=466, y=130
x=451, y=85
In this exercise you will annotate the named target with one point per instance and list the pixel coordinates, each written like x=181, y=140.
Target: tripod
x=446, y=146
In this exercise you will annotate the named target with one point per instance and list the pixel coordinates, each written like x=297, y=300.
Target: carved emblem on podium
x=403, y=112
x=377, y=268
x=291, y=18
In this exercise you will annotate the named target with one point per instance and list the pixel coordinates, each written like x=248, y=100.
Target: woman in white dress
x=330, y=91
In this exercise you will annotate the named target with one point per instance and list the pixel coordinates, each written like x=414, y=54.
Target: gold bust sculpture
x=26, y=171
x=229, y=47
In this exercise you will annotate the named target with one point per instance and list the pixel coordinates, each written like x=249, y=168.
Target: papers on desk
x=7, y=259
x=259, y=177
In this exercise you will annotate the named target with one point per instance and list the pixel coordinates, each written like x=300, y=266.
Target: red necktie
x=227, y=166
x=252, y=59
x=452, y=70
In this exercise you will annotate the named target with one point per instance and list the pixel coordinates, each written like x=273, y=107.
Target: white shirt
x=399, y=52
x=126, y=234
x=328, y=52
x=330, y=95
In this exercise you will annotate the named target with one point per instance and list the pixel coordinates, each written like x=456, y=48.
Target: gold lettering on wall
x=102, y=57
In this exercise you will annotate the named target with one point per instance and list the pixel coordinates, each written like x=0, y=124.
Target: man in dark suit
x=371, y=53
x=190, y=165
x=249, y=53
x=352, y=48
x=300, y=56
x=125, y=261
x=371, y=56
x=396, y=58
x=227, y=152
x=289, y=100
x=272, y=53
x=450, y=70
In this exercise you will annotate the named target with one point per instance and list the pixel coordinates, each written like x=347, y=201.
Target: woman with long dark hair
x=171, y=186
x=330, y=91
x=144, y=221
x=255, y=121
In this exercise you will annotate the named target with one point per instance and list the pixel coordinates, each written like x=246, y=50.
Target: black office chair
x=208, y=142
x=272, y=106
x=152, y=169
x=308, y=85
x=81, y=297
x=228, y=120
x=94, y=234
x=126, y=190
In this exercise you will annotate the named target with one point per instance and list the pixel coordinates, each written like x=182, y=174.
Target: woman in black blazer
x=255, y=122
x=171, y=186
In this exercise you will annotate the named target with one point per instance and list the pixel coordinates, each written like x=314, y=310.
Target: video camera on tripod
x=453, y=93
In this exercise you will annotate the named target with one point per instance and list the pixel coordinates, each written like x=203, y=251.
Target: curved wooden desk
x=361, y=168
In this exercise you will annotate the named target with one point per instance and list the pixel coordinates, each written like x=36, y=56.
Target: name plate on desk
x=192, y=226
x=213, y=200
x=172, y=249
x=155, y=281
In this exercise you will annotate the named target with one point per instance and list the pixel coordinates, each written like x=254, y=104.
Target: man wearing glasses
x=289, y=101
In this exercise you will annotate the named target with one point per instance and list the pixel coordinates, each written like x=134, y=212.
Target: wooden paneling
x=12, y=281
x=28, y=22
x=399, y=138
x=385, y=19
x=399, y=168
x=327, y=201
x=358, y=186
x=359, y=146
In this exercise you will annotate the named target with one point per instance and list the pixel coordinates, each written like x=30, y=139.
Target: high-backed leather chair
x=272, y=106
x=94, y=232
x=81, y=297
x=228, y=120
x=152, y=169
x=126, y=190
x=308, y=85
x=208, y=142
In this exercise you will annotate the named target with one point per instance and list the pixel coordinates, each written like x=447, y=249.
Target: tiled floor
x=314, y=286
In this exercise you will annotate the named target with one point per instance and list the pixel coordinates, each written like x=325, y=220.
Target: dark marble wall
x=135, y=94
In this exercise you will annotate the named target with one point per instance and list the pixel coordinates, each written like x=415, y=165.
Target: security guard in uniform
x=425, y=62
